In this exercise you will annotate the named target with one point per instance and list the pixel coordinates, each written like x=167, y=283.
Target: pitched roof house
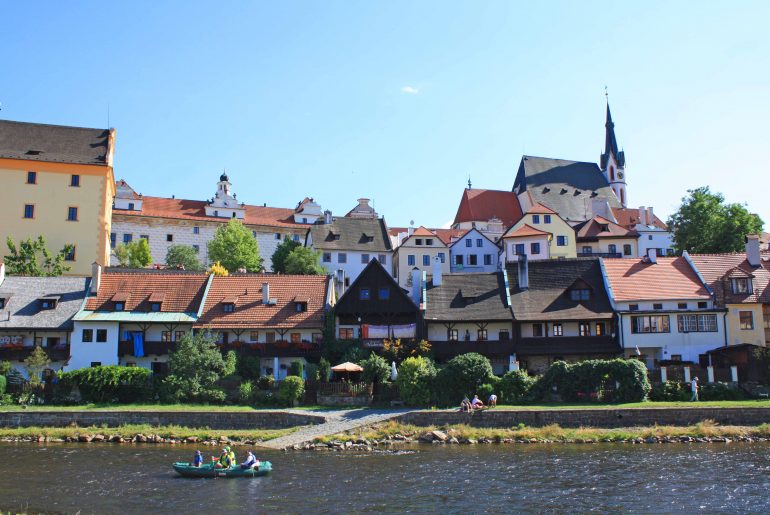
x=604, y=237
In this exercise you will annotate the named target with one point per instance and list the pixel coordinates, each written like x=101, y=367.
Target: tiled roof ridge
x=207, y=202
x=116, y=270
x=556, y=159
x=77, y=127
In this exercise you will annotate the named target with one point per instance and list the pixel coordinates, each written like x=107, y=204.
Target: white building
x=474, y=252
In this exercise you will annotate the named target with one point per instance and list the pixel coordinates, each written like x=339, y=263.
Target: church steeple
x=613, y=161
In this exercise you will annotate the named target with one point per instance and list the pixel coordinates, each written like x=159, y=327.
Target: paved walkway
x=337, y=421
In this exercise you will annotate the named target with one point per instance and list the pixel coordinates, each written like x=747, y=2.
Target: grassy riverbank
x=553, y=433
x=176, y=433
x=211, y=408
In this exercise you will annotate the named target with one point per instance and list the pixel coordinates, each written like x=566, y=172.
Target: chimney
x=523, y=272
x=650, y=216
x=437, y=278
x=410, y=231
x=642, y=215
x=752, y=249
x=363, y=202
x=96, y=277
x=327, y=217
x=416, y=286
x=652, y=255
x=2, y=273
x=265, y=293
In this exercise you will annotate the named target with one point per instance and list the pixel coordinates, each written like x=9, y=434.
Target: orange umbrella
x=347, y=367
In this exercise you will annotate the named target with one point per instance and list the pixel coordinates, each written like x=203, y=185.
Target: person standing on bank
x=694, y=387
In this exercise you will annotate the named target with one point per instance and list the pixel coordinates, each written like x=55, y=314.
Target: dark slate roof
x=467, y=297
x=567, y=187
x=353, y=234
x=550, y=282
x=21, y=310
x=611, y=144
x=53, y=143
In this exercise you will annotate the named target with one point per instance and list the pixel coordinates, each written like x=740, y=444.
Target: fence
x=345, y=389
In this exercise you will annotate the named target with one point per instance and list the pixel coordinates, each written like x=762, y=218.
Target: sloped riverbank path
x=336, y=421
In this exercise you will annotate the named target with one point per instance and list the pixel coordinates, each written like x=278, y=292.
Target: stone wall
x=341, y=400
x=591, y=417
x=195, y=419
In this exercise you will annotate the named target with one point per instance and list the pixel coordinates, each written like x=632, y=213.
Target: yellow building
x=58, y=182
x=540, y=234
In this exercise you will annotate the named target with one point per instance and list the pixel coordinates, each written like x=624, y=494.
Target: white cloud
x=411, y=90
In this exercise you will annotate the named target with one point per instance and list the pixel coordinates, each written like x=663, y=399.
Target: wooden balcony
x=126, y=348
x=568, y=345
x=279, y=349
x=490, y=348
x=58, y=353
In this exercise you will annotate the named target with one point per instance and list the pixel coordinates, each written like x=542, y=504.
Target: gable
x=373, y=278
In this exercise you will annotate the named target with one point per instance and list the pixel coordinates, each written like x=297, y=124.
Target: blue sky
x=400, y=101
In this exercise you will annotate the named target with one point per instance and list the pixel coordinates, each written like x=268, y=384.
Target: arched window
x=612, y=173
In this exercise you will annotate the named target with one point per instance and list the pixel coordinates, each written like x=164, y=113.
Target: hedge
x=107, y=384
x=615, y=380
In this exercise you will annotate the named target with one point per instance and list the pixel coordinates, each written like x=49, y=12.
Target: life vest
x=231, y=456
x=225, y=460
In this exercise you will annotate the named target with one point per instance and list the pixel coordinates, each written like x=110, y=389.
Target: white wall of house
x=509, y=247
x=154, y=332
x=424, y=257
x=654, y=239
x=604, y=246
x=82, y=354
x=267, y=366
x=438, y=332
x=474, y=246
x=261, y=335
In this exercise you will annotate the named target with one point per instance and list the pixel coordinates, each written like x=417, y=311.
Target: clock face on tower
x=620, y=175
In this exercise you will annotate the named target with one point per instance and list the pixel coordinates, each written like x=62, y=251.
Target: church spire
x=611, y=143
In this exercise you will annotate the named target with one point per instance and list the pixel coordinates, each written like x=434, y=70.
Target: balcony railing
x=450, y=349
x=126, y=348
x=59, y=352
x=279, y=349
x=568, y=345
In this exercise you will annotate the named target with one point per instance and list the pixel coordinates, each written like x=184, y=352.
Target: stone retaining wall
x=202, y=419
x=606, y=418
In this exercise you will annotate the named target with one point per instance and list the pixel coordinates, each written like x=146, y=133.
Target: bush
x=108, y=384
x=462, y=376
x=296, y=368
x=484, y=391
x=291, y=390
x=3, y=384
x=376, y=369
x=616, y=380
x=195, y=368
x=516, y=386
x=246, y=392
x=248, y=367
x=670, y=391
x=5, y=367
x=266, y=382
x=324, y=370
x=415, y=380
x=719, y=392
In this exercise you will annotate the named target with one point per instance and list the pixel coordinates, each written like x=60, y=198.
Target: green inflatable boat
x=208, y=470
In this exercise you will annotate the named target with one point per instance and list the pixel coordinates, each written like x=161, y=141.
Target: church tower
x=613, y=162
x=225, y=204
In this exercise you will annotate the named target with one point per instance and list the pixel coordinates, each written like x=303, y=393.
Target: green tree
x=281, y=253
x=134, y=254
x=415, y=380
x=122, y=254
x=37, y=361
x=304, y=261
x=376, y=369
x=324, y=370
x=462, y=375
x=33, y=258
x=183, y=256
x=194, y=369
x=234, y=247
x=704, y=223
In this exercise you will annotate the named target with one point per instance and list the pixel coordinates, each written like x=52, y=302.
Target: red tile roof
x=538, y=208
x=716, y=270
x=524, y=231
x=250, y=312
x=121, y=183
x=483, y=205
x=160, y=207
x=668, y=279
x=599, y=227
x=447, y=236
x=628, y=217
x=182, y=291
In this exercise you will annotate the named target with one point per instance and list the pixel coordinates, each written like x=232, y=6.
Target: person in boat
x=465, y=405
x=226, y=459
x=251, y=461
x=198, y=459
x=476, y=403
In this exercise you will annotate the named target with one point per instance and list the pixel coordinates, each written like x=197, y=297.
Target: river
x=614, y=478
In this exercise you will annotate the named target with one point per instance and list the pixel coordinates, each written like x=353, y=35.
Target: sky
x=400, y=101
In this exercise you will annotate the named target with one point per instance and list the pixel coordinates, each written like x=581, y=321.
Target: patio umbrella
x=393, y=371
x=347, y=367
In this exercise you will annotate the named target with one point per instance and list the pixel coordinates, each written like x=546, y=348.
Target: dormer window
x=119, y=306
x=429, y=241
x=155, y=306
x=604, y=227
x=300, y=307
x=418, y=241
x=741, y=285
x=4, y=301
x=580, y=294
x=228, y=307
x=364, y=294
x=48, y=302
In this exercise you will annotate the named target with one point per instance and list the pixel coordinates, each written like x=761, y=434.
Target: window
x=584, y=329
x=96, y=364
x=410, y=260
x=165, y=336
x=88, y=335
x=363, y=294
x=487, y=259
x=547, y=219
x=561, y=241
x=295, y=237
x=469, y=243
x=612, y=248
x=101, y=335
x=682, y=305
x=382, y=259
x=537, y=330
x=657, y=306
x=254, y=336
x=418, y=241
x=429, y=241
x=127, y=238
x=119, y=306
x=178, y=335
x=702, y=305
x=254, y=234
x=364, y=258
x=459, y=259
x=327, y=257
x=47, y=303
x=676, y=357
x=75, y=181
x=453, y=335
x=649, y=237
x=519, y=249
x=587, y=250
x=384, y=293
x=580, y=294
x=599, y=328
x=741, y=285
x=473, y=260
x=29, y=211
x=342, y=257
x=535, y=219
x=747, y=319
x=296, y=337
x=277, y=236
x=442, y=257
x=31, y=177
x=169, y=237
x=113, y=239
x=649, y=324
x=130, y=206
x=72, y=214
x=626, y=250
x=197, y=249
x=300, y=307
x=481, y=335
x=558, y=330
x=270, y=337
x=697, y=323
x=633, y=307
x=70, y=256
x=2, y=303
x=346, y=333
x=144, y=237
x=479, y=242
x=426, y=260
x=228, y=307
x=155, y=306
x=534, y=248
x=504, y=335
x=196, y=230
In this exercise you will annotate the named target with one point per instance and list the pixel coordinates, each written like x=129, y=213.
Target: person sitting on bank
x=492, y=402
x=198, y=459
x=694, y=388
x=465, y=404
x=476, y=403
x=251, y=461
